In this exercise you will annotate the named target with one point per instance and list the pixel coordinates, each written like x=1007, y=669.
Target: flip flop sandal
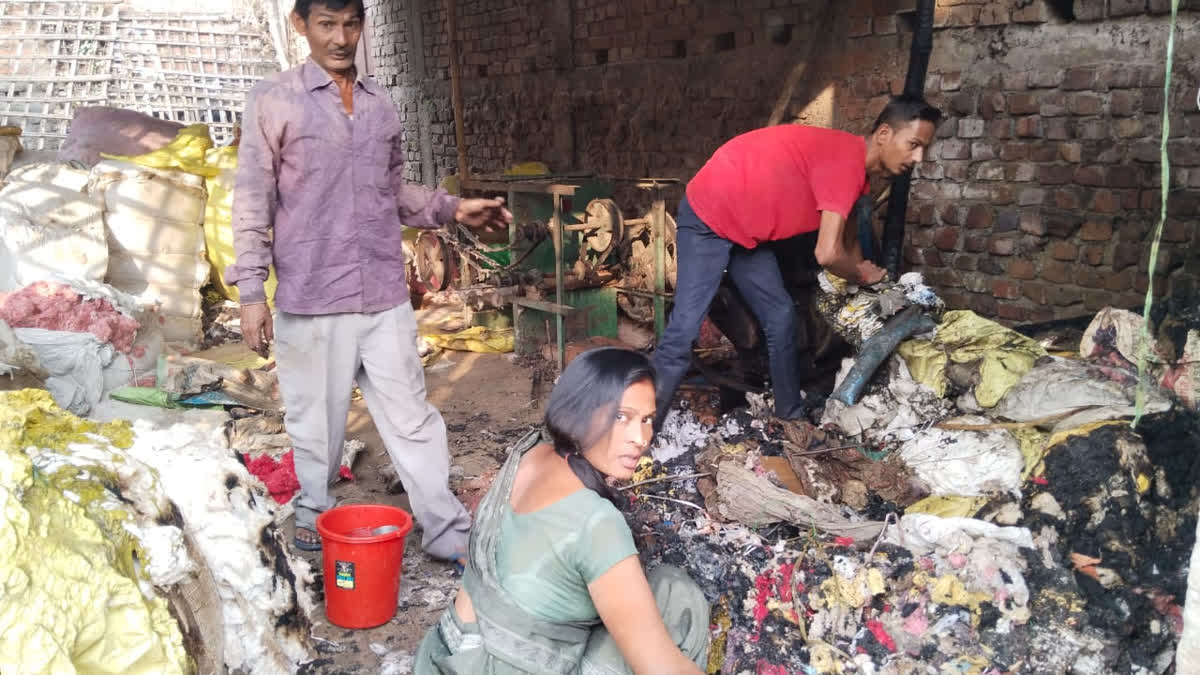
x=305, y=545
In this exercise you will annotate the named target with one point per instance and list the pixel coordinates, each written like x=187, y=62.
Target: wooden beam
x=456, y=90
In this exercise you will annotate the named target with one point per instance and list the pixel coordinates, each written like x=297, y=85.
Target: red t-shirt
x=772, y=183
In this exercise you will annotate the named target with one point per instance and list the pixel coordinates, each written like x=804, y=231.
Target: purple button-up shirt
x=331, y=186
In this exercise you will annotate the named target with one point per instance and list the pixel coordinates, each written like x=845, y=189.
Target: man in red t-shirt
x=771, y=184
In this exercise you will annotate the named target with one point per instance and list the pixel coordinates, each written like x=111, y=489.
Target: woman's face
x=632, y=428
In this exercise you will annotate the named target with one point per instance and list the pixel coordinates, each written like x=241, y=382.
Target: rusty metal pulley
x=603, y=233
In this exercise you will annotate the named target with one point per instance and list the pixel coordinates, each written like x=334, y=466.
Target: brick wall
x=1041, y=189
x=1044, y=183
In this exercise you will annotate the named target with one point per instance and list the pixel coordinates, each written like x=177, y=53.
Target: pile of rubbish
x=186, y=567
x=980, y=506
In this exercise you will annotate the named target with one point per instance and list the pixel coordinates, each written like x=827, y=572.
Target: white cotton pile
x=681, y=431
x=265, y=593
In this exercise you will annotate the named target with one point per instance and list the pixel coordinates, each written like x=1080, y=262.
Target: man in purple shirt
x=319, y=193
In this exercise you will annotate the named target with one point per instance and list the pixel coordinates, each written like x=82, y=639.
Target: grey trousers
x=319, y=358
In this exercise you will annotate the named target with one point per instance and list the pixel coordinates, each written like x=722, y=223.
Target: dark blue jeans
x=703, y=257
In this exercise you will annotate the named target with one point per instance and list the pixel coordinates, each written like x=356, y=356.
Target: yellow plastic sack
x=69, y=594
x=186, y=153
x=964, y=337
x=474, y=339
x=218, y=223
x=948, y=506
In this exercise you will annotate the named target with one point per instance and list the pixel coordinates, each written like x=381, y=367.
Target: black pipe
x=914, y=85
x=877, y=348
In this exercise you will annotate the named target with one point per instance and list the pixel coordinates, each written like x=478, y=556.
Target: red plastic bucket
x=362, y=572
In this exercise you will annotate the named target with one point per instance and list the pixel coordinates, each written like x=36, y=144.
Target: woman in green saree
x=552, y=582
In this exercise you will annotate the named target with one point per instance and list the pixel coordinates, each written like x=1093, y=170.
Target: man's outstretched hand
x=484, y=214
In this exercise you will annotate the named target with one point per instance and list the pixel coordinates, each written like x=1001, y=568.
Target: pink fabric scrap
x=58, y=307
x=278, y=475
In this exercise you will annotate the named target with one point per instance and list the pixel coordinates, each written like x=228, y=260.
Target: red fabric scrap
x=58, y=307
x=1039, y=480
x=764, y=668
x=345, y=473
x=844, y=541
x=762, y=587
x=881, y=634
x=279, y=476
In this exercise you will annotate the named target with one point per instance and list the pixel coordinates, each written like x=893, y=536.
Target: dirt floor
x=488, y=402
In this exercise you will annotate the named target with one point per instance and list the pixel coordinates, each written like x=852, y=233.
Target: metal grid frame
x=56, y=55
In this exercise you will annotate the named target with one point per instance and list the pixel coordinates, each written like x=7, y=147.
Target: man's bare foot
x=307, y=539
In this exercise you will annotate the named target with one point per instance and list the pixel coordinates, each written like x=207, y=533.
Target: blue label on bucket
x=345, y=574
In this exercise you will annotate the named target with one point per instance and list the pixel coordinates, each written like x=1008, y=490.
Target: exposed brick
x=1014, y=80
x=970, y=128
x=1014, y=151
x=975, y=243
x=1123, y=176
x=1021, y=269
x=1089, y=10
x=1084, y=104
x=982, y=150
x=1077, y=79
x=1092, y=254
x=1105, y=201
x=1030, y=221
x=1024, y=103
x=859, y=26
x=885, y=25
x=1055, y=174
x=944, y=278
x=1031, y=197
x=1006, y=289
x=1057, y=272
x=952, y=80
x=1129, y=127
x=1114, y=76
x=993, y=15
x=966, y=263
x=1057, y=129
x=1046, y=78
x=1064, y=295
x=1119, y=281
x=1021, y=172
x=1096, y=231
x=1176, y=232
x=956, y=170
x=1029, y=127
x=946, y=238
x=933, y=258
x=1053, y=105
x=963, y=103
x=1008, y=311
x=1002, y=246
x=1068, y=197
x=1092, y=129
x=914, y=255
x=953, y=148
x=1063, y=250
x=989, y=171
x=1062, y=224
x=1035, y=291
x=1126, y=7
x=999, y=129
x=1070, y=152
x=1090, y=175
x=979, y=216
x=1126, y=255
x=1034, y=12
x=1001, y=195
x=1043, y=153
x=1124, y=103
x=1094, y=301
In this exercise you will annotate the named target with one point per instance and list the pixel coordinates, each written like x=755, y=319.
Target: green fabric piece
x=1165, y=184
x=146, y=396
x=546, y=558
x=508, y=640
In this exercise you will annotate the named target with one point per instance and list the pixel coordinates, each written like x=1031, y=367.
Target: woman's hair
x=583, y=406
